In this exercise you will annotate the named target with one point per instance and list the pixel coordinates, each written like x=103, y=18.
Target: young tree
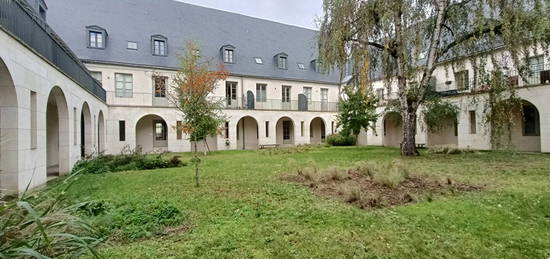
x=357, y=110
x=404, y=40
x=202, y=115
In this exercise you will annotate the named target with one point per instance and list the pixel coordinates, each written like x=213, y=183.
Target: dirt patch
x=361, y=187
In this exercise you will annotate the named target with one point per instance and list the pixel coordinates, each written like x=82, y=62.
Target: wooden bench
x=264, y=146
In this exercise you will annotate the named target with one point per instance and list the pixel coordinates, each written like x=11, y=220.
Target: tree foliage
x=404, y=40
x=438, y=111
x=356, y=111
x=194, y=82
x=193, y=85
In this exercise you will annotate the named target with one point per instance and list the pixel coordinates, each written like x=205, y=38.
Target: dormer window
x=97, y=37
x=282, y=60
x=159, y=45
x=316, y=65
x=228, y=54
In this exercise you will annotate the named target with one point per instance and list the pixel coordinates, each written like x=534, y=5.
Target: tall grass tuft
x=41, y=225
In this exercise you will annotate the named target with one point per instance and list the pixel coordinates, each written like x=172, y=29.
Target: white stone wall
x=537, y=95
x=21, y=163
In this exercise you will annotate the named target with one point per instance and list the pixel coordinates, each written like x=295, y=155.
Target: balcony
x=138, y=99
x=17, y=18
x=278, y=105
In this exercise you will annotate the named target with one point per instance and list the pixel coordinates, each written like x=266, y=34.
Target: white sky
x=303, y=13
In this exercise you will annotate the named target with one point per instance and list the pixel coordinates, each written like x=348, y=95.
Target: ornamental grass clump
x=44, y=225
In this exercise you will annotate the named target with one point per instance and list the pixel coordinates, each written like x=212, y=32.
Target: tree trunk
x=207, y=147
x=408, y=143
x=196, y=165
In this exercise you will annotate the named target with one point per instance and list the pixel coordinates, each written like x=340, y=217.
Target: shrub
x=351, y=192
x=341, y=140
x=43, y=226
x=449, y=150
x=389, y=174
x=125, y=162
x=132, y=220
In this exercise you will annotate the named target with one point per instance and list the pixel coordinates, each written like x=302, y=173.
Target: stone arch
x=526, y=128
x=317, y=130
x=57, y=133
x=284, y=131
x=9, y=139
x=101, y=132
x=151, y=134
x=86, y=134
x=392, y=130
x=247, y=133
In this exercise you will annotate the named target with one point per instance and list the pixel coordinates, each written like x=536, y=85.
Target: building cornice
x=175, y=69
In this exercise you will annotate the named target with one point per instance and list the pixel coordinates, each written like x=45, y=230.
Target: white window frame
x=124, y=88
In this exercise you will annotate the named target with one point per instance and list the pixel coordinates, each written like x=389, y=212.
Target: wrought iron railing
x=19, y=19
x=278, y=104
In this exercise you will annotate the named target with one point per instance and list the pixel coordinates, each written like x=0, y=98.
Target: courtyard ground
x=244, y=208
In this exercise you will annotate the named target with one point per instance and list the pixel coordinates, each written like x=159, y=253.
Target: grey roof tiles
x=138, y=20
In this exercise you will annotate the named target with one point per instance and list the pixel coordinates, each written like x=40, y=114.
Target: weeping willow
x=405, y=40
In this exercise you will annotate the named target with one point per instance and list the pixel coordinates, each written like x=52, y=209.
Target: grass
x=243, y=209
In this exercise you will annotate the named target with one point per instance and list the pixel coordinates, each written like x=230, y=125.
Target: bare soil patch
x=363, y=186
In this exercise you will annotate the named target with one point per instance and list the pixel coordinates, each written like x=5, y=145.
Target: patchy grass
x=377, y=185
x=243, y=209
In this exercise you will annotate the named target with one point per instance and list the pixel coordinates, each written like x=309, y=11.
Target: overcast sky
x=301, y=13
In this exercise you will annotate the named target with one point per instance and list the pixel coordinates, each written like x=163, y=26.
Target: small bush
x=389, y=174
x=351, y=192
x=449, y=150
x=133, y=220
x=341, y=140
x=336, y=174
x=45, y=225
x=125, y=162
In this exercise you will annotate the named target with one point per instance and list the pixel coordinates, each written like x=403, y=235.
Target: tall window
x=324, y=95
x=159, y=47
x=124, y=85
x=97, y=76
x=531, y=123
x=160, y=85
x=473, y=123
x=302, y=128
x=536, y=65
x=380, y=95
x=286, y=93
x=122, y=130
x=227, y=129
x=261, y=93
x=462, y=80
x=228, y=55
x=179, y=131
x=282, y=62
x=231, y=92
x=286, y=129
x=307, y=93
x=160, y=131
x=96, y=39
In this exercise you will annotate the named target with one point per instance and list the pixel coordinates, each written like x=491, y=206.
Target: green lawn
x=242, y=208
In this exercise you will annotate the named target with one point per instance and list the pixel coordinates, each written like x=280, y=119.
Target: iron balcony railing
x=278, y=104
x=19, y=19
x=138, y=99
x=150, y=99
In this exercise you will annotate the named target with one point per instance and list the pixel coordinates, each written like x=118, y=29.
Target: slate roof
x=138, y=20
